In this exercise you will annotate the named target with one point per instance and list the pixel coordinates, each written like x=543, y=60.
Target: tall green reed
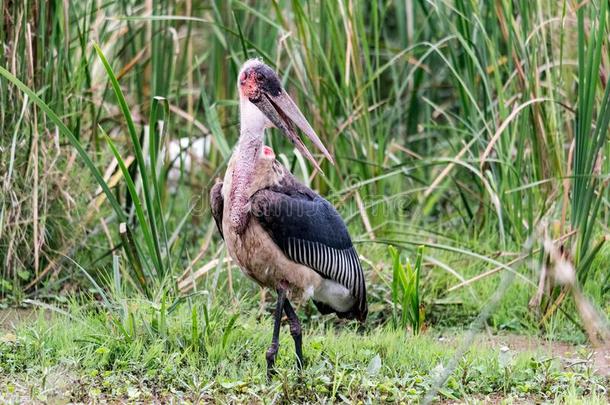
x=451, y=121
x=407, y=304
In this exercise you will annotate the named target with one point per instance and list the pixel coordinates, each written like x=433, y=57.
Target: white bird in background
x=185, y=154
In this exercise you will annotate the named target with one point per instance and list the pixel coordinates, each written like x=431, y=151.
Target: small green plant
x=406, y=293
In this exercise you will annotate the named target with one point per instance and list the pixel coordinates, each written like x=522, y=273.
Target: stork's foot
x=271, y=354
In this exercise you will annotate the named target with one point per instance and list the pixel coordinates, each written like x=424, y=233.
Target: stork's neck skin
x=252, y=131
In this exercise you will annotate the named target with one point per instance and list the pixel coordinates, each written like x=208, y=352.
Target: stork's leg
x=295, y=331
x=275, y=340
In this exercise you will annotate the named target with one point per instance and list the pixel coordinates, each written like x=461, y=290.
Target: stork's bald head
x=256, y=78
x=261, y=86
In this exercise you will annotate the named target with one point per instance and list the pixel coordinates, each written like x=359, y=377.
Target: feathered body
x=262, y=251
x=254, y=251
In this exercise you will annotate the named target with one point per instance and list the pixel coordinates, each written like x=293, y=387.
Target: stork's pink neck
x=247, y=152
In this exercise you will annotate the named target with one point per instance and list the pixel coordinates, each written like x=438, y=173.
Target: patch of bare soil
x=567, y=353
x=11, y=317
x=521, y=343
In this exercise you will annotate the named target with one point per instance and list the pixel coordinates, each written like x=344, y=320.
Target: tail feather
x=353, y=313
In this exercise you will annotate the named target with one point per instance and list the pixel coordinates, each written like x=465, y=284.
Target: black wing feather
x=217, y=205
x=311, y=232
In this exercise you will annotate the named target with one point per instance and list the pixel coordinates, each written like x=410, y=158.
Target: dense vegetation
x=475, y=129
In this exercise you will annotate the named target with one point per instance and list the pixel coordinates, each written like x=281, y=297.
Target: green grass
x=475, y=129
x=85, y=357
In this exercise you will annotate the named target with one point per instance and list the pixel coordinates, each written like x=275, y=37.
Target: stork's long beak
x=283, y=113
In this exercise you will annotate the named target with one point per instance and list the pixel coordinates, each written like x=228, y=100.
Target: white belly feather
x=335, y=295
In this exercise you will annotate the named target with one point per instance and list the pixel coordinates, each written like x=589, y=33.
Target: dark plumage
x=217, y=205
x=310, y=231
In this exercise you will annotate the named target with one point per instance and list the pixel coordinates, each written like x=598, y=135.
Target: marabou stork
x=279, y=232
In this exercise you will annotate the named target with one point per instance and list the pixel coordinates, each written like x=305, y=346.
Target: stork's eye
x=259, y=76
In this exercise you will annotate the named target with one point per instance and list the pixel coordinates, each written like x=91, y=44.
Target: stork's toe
x=271, y=355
